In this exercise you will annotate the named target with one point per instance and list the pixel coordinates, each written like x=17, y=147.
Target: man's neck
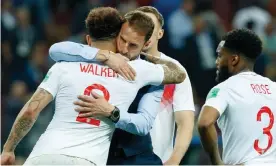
x=105, y=45
x=245, y=68
x=154, y=51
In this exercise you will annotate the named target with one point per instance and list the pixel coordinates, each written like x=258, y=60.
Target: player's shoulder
x=218, y=89
x=64, y=66
x=57, y=66
x=244, y=77
x=139, y=64
x=270, y=82
x=233, y=80
x=68, y=65
x=166, y=57
x=221, y=86
x=237, y=81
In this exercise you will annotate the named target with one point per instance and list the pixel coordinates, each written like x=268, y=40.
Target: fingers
x=126, y=70
x=83, y=109
x=122, y=73
x=82, y=104
x=86, y=112
x=132, y=73
x=129, y=72
x=96, y=95
x=89, y=115
x=86, y=115
x=85, y=98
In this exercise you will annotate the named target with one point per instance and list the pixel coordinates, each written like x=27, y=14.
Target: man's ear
x=235, y=60
x=160, y=34
x=88, y=40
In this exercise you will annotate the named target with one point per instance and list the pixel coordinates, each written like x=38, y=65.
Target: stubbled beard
x=223, y=74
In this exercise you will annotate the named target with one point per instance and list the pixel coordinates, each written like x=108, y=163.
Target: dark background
x=192, y=32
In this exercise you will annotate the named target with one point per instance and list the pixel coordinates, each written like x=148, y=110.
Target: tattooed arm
x=26, y=118
x=173, y=74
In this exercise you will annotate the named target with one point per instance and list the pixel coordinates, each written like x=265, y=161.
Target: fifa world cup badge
x=213, y=93
x=47, y=76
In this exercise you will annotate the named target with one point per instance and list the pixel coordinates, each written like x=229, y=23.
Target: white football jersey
x=247, y=106
x=88, y=138
x=176, y=97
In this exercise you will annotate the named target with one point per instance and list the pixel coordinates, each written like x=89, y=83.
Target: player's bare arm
x=185, y=125
x=173, y=74
x=24, y=122
x=208, y=133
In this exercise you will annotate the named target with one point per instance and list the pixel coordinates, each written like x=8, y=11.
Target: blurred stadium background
x=193, y=29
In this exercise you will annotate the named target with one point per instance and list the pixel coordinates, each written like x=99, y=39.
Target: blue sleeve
x=141, y=122
x=72, y=52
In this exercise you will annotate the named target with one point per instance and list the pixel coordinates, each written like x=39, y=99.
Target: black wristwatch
x=115, y=115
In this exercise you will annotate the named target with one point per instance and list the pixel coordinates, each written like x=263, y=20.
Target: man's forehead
x=220, y=46
x=129, y=38
x=128, y=33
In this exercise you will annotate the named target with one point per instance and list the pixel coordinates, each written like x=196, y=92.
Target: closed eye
x=123, y=39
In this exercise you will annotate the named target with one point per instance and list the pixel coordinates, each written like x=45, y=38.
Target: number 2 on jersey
x=266, y=130
x=87, y=92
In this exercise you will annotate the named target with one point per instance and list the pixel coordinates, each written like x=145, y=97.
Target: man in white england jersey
x=69, y=138
x=243, y=105
x=177, y=106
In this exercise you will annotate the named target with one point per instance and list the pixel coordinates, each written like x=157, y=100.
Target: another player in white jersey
x=243, y=105
x=177, y=105
x=69, y=138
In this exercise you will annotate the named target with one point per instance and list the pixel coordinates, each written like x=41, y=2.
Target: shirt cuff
x=49, y=90
x=123, y=121
x=210, y=104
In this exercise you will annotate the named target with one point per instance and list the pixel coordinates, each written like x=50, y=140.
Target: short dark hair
x=154, y=11
x=140, y=22
x=104, y=23
x=243, y=41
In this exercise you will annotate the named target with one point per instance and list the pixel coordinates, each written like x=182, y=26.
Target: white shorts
x=57, y=159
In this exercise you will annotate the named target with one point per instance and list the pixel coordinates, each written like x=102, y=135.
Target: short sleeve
x=217, y=98
x=183, y=96
x=52, y=80
x=148, y=73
